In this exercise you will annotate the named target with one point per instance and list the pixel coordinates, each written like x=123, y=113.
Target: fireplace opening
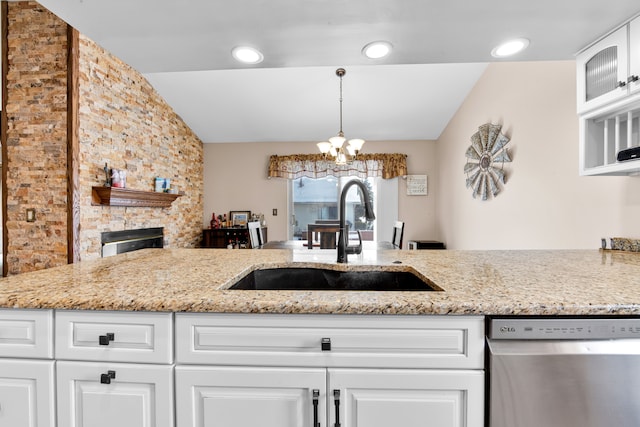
x=118, y=242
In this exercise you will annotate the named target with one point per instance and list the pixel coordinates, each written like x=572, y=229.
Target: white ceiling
x=441, y=48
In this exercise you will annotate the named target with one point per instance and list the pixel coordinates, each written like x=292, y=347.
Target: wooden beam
x=4, y=13
x=73, y=146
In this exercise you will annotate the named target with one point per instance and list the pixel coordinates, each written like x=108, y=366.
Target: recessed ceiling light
x=247, y=55
x=377, y=50
x=510, y=48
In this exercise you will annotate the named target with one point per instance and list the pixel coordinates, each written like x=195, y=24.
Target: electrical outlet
x=31, y=215
x=275, y=212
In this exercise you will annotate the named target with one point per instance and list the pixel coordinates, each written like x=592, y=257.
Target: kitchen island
x=571, y=282
x=161, y=326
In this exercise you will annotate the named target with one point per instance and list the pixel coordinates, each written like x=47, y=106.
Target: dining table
x=327, y=232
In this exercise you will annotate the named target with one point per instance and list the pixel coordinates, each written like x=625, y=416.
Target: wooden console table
x=220, y=237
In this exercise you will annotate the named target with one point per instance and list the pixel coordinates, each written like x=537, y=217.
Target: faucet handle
x=355, y=249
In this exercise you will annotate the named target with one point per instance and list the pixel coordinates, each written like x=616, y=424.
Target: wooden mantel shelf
x=114, y=196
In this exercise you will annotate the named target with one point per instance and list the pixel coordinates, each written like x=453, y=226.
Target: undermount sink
x=316, y=279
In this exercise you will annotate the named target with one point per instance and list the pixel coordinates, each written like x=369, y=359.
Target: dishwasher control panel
x=563, y=329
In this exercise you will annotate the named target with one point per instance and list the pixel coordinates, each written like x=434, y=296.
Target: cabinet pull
x=336, y=402
x=621, y=84
x=632, y=79
x=106, y=378
x=316, y=397
x=325, y=344
x=105, y=339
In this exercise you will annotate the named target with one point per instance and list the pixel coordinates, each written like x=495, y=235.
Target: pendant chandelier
x=335, y=147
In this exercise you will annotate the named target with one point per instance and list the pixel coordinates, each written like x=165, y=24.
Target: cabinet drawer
x=349, y=340
x=26, y=333
x=114, y=336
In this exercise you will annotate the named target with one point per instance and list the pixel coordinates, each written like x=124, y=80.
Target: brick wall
x=36, y=156
x=122, y=122
x=126, y=124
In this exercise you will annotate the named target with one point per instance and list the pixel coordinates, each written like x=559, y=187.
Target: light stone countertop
x=554, y=282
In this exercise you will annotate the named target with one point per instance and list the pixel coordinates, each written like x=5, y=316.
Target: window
x=317, y=199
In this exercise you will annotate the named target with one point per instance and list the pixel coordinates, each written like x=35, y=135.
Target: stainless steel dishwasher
x=564, y=372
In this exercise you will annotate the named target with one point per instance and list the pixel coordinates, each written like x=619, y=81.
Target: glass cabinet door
x=602, y=71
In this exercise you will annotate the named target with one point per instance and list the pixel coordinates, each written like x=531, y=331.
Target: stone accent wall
x=36, y=146
x=122, y=122
x=125, y=123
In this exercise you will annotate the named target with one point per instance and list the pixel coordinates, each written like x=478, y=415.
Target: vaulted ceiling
x=440, y=48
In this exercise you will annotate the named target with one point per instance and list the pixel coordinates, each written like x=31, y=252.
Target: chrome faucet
x=343, y=237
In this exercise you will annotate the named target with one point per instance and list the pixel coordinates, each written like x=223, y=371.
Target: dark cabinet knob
x=106, y=378
x=325, y=344
x=106, y=339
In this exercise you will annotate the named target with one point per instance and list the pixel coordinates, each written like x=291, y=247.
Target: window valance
x=296, y=166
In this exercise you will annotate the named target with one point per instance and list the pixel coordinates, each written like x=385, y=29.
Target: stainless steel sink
x=316, y=279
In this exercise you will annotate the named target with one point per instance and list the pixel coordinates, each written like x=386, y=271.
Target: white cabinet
x=602, y=71
x=114, y=336
x=372, y=370
x=114, y=369
x=27, y=395
x=407, y=398
x=250, y=396
x=608, y=89
x=117, y=369
x=330, y=341
x=26, y=333
x=634, y=56
x=94, y=394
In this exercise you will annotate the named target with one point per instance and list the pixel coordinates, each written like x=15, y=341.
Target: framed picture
x=416, y=185
x=239, y=218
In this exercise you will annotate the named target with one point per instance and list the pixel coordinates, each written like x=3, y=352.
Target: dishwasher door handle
x=556, y=347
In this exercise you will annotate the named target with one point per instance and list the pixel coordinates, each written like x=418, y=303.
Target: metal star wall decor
x=487, y=149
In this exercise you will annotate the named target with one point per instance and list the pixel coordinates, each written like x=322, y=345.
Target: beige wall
x=545, y=203
x=235, y=178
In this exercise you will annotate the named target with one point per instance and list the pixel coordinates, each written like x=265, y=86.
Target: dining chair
x=398, y=231
x=255, y=234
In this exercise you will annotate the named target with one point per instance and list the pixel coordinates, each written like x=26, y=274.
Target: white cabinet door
x=602, y=71
x=407, y=398
x=249, y=397
x=634, y=55
x=27, y=393
x=137, y=396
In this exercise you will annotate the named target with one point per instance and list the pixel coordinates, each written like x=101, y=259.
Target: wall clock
x=486, y=157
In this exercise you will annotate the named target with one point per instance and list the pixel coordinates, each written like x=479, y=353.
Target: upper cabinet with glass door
x=608, y=89
x=608, y=70
x=633, y=80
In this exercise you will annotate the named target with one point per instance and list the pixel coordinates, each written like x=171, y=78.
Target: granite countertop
x=578, y=282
